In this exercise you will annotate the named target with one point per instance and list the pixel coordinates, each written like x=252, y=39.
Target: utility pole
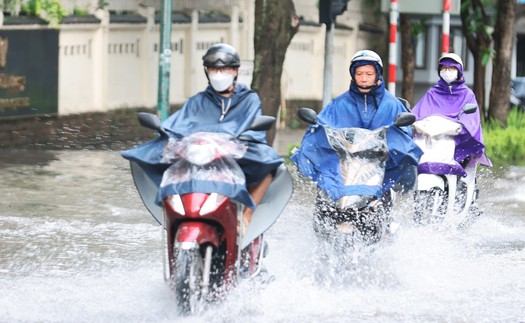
x=1, y=13
x=328, y=63
x=445, y=40
x=328, y=10
x=163, y=97
x=392, y=47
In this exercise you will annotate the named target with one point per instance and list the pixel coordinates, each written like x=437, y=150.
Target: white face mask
x=449, y=76
x=221, y=81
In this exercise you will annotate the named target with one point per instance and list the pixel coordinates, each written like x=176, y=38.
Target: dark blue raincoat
x=316, y=159
x=202, y=113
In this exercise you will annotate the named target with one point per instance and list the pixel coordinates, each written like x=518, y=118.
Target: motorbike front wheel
x=429, y=206
x=187, y=279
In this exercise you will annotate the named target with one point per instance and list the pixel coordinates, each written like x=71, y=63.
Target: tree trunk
x=408, y=62
x=475, y=22
x=503, y=41
x=275, y=26
x=479, y=82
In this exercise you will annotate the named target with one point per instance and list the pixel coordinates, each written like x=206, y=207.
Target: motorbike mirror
x=470, y=108
x=307, y=115
x=151, y=121
x=405, y=103
x=404, y=119
x=262, y=123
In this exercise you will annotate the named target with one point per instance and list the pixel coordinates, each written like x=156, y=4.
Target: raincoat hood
x=203, y=112
x=452, y=63
x=378, y=68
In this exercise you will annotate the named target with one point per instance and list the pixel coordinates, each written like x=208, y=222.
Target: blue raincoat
x=210, y=112
x=316, y=159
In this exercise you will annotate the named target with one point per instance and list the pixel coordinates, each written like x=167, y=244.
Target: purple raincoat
x=447, y=101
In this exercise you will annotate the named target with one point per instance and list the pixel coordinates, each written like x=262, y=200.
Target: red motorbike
x=205, y=250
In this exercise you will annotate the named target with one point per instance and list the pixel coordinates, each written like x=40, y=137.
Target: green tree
x=408, y=30
x=477, y=26
x=49, y=10
x=499, y=102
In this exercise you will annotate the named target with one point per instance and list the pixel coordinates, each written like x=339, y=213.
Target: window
x=420, y=49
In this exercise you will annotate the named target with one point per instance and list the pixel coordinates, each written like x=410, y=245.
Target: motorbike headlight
x=200, y=154
x=212, y=203
x=346, y=227
x=176, y=204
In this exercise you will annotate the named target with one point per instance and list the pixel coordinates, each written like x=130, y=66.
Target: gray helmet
x=221, y=55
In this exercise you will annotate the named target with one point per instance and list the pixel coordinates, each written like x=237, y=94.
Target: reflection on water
x=77, y=245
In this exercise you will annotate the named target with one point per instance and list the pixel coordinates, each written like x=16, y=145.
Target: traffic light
x=329, y=9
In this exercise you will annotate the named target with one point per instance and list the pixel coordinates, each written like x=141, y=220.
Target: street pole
x=1, y=13
x=328, y=59
x=445, y=46
x=392, y=49
x=163, y=96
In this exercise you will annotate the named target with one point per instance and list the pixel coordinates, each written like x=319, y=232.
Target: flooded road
x=77, y=245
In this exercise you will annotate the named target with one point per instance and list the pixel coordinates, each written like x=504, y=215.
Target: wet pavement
x=285, y=138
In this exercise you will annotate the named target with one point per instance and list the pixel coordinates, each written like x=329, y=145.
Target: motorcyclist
x=446, y=99
x=225, y=106
x=367, y=104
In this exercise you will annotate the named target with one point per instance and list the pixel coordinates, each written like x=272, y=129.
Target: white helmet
x=452, y=56
x=368, y=56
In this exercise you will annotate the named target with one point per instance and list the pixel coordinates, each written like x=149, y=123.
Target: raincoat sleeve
x=317, y=160
x=315, y=155
x=401, y=167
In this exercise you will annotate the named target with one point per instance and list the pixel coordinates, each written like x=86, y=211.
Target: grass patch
x=289, y=152
x=505, y=145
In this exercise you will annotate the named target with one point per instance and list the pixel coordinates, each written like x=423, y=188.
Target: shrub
x=506, y=144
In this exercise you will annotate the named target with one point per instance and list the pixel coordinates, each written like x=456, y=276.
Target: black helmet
x=221, y=55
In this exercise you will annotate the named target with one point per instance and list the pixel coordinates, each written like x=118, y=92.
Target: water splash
x=94, y=255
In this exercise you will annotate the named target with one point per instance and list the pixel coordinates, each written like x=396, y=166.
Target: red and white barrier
x=392, y=49
x=445, y=41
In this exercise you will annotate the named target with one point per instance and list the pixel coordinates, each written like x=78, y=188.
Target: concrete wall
x=113, y=63
x=80, y=71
